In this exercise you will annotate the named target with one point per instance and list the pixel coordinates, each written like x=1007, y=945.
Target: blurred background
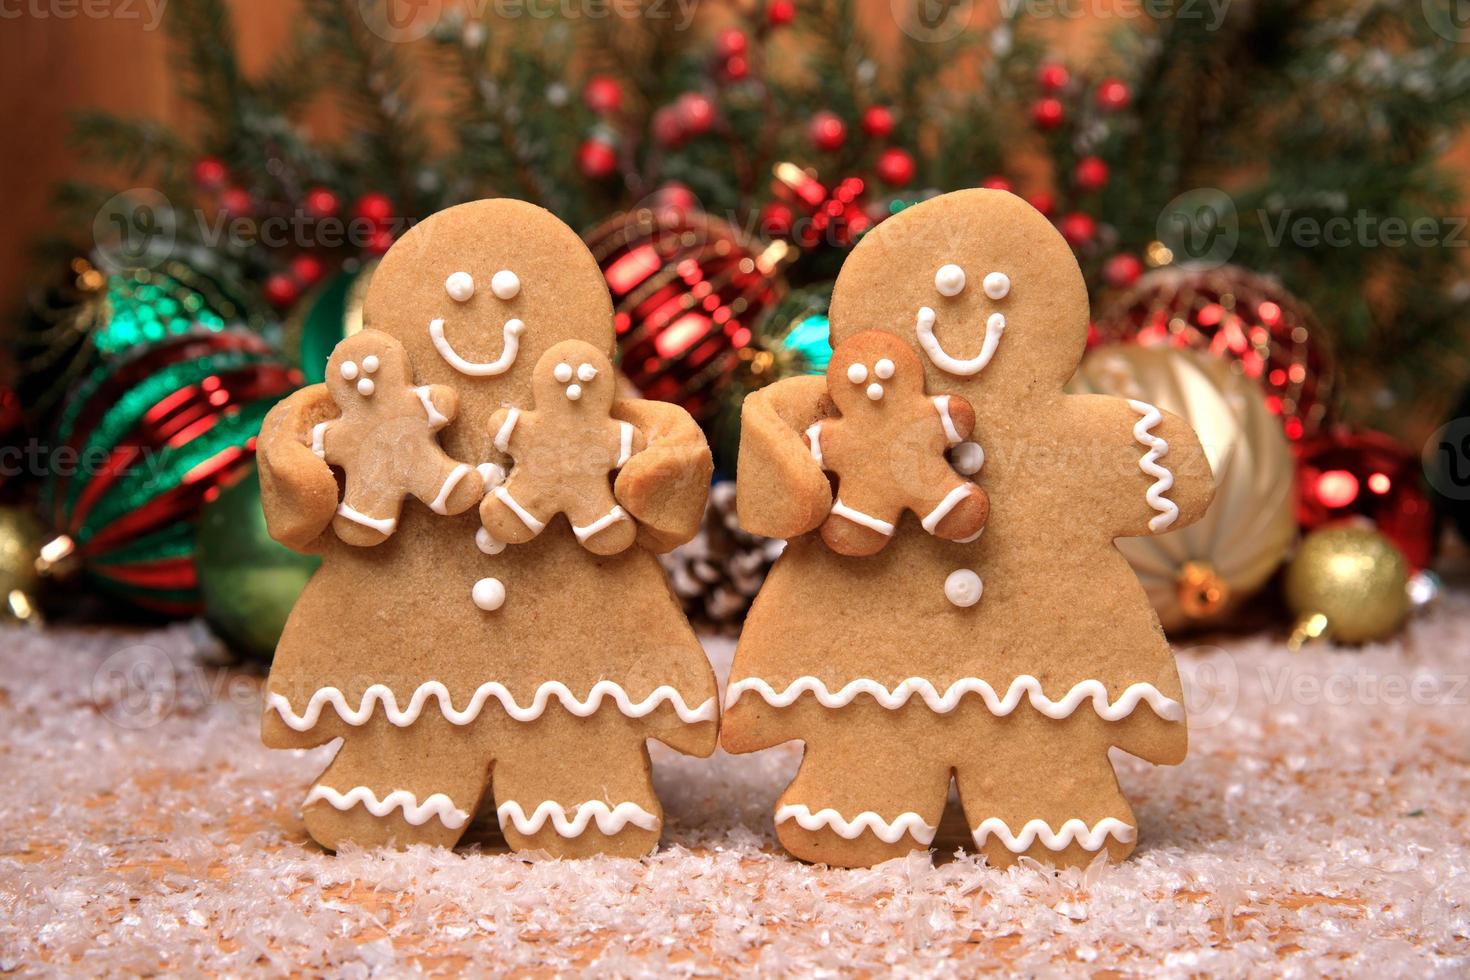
x=1268, y=200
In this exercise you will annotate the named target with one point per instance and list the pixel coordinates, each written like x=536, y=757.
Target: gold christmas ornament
x=1196, y=576
x=1347, y=583
x=21, y=536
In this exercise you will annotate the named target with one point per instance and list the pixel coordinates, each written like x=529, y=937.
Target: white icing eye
x=949, y=280
x=857, y=373
x=586, y=372
x=488, y=594
x=574, y=392
x=562, y=373
x=365, y=387
x=370, y=363
x=349, y=370
x=884, y=369
x=963, y=588
x=875, y=391
x=460, y=287
x=505, y=284
x=997, y=285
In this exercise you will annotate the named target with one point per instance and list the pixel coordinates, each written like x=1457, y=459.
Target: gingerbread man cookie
x=566, y=450
x=384, y=440
x=1011, y=664
x=887, y=449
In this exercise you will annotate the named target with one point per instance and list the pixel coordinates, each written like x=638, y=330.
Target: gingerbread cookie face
x=1010, y=664
x=887, y=449
x=566, y=450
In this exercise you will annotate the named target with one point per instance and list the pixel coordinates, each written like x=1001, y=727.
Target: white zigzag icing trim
x=416, y=813
x=889, y=832
x=1168, y=511
x=1073, y=830
x=1023, y=686
x=610, y=820
x=402, y=718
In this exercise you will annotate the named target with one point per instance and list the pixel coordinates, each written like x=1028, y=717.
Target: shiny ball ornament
x=877, y=122
x=1245, y=319
x=695, y=112
x=248, y=582
x=827, y=131
x=1078, y=229
x=1345, y=473
x=324, y=318
x=144, y=441
x=1349, y=584
x=1090, y=174
x=603, y=94
x=1122, y=270
x=21, y=538
x=1113, y=95
x=780, y=13
x=895, y=167
x=1197, y=576
x=1047, y=113
x=596, y=159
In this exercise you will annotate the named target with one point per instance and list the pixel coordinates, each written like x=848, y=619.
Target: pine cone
x=718, y=573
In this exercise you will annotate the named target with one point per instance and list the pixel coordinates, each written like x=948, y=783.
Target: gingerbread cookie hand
x=566, y=451
x=384, y=440
x=887, y=449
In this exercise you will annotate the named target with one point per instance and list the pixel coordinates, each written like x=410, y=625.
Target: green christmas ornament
x=324, y=317
x=249, y=582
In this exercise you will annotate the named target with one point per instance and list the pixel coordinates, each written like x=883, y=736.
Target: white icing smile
x=479, y=369
x=947, y=362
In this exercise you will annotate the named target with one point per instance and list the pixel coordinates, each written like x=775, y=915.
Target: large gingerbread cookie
x=465, y=674
x=1012, y=663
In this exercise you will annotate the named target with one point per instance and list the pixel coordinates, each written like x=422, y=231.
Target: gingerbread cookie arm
x=664, y=487
x=781, y=491
x=298, y=490
x=441, y=404
x=1151, y=475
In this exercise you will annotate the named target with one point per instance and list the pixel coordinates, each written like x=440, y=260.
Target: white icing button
x=949, y=280
x=505, y=284
x=365, y=387
x=488, y=593
x=460, y=287
x=884, y=369
x=487, y=543
x=574, y=392
x=968, y=457
x=586, y=372
x=997, y=285
x=875, y=391
x=963, y=588
x=857, y=373
x=562, y=373
x=349, y=370
x=370, y=363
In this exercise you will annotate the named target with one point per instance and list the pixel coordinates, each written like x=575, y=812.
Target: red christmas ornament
x=1052, y=77
x=686, y=289
x=281, y=290
x=828, y=217
x=321, y=203
x=731, y=42
x=596, y=159
x=780, y=13
x=236, y=201
x=1113, y=95
x=1122, y=270
x=379, y=240
x=878, y=121
x=374, y=207
x=1043, y=202
x=1047, y=113
x=603, y=94
x=827, y=131
x=1238, y=315
x=667, y=129
x=1078, y=228
x=306, y=269
x=996, y=182
x=695, y=112
x=736, y=68
x=895, y=167
x=1090, y=174
x=210, y=173
x=777, y=220
x=1344, y=474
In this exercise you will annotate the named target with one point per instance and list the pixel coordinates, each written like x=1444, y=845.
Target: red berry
x=374, y=207
x=1113, y=94
x=210, y=173
x=603, y=94
x=321, y=203
x=1052, y=77
x=596, y=159
x=878, y=121
x=1122, y=270
x=235, y=200
x=306, y=269
x=777, y=219
x=281, y=290
x=827, y=131
x=780, y=13
x=1043, y=202
x=996, y=182
x=379, y=241
x=666, y=127
x=895, y=167
x=1047, y=113
x=695, y=112
x=731, y=42
x=1078, y=228
x=1091, y=174
x=736, y=68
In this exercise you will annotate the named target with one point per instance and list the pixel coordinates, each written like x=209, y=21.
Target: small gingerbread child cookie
x=566, y=451
x=384, y=441
x=887, y=449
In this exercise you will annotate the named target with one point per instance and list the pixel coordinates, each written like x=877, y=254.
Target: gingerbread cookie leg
x=958, y=515
x=1044, y=789
x=602, y=526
